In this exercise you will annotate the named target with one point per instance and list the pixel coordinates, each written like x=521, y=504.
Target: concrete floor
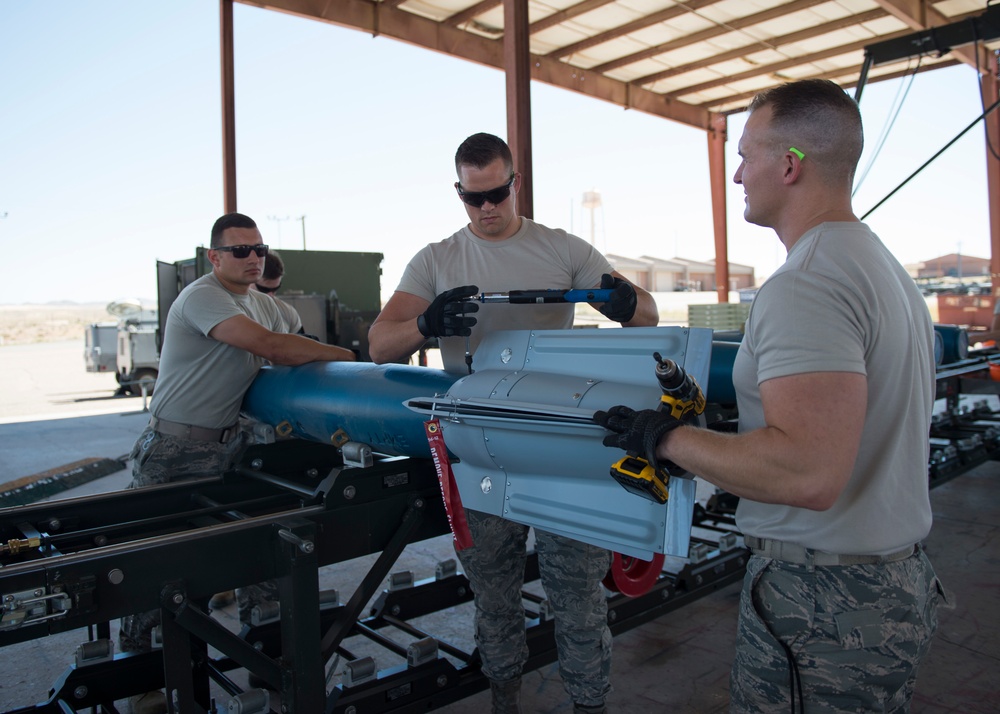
x=679, y=662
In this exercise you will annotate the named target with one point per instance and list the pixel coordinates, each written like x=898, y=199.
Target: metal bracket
x=357, y=455
x=306, y=546
x=698, y=553
x=156, y=638
x=265, y=612
x=95, y=652
x=545, y=613
x=360, y=671
x=727, y=542
x=400, y=580
x=421, y=652
x=264, y=433
x=254, y=701
x=446, y=569
x=30, y=607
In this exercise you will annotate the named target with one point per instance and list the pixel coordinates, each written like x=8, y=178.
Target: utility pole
x=302, y=219
x=278, y=220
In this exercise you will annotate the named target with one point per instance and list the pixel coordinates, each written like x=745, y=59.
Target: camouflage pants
x=571, y=575
x=158, y=459
x=855, y=634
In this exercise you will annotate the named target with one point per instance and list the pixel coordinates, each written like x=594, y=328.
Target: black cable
x=885, y=131
x=930, y=160
x=794, y=680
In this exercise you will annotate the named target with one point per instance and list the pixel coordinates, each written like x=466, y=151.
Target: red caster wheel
x=631, y=576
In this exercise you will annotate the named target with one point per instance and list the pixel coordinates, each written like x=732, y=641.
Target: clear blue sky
x=111, y=150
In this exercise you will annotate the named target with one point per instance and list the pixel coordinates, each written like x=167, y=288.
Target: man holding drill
x=835, y=384
x=497, y=251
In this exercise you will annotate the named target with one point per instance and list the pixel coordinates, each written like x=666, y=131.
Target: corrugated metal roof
x=620, y=262
x=680, y=60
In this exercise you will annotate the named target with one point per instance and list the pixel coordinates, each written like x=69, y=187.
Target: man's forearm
x=762, y=465
x=392, y=341
x=294, y=350
x=646, y=312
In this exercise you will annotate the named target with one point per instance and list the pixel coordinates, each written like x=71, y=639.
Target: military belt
x=794, y=553
x=194, y=433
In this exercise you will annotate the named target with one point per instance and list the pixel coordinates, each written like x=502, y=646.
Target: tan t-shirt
x=534, y=258
x=202, y=381
x=843, y=303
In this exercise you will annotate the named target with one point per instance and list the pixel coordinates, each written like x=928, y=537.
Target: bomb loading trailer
x=358, y=481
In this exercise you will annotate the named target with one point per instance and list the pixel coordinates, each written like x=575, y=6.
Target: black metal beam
x=938, y=40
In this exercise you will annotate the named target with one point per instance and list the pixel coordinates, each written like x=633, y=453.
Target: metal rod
x=531, y=297
x=161, y=520
x=445, y=647
x=376, y=636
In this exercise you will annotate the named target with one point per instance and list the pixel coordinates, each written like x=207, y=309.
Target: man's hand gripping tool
x=684, y=400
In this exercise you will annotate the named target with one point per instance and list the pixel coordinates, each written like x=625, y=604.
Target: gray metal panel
x=100, y=345
x=538, y=447
x=167, y=288
x=353, y=277
x=312, y=311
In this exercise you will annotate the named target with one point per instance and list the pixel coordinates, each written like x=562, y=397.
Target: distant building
x=953, y=265
x=664, y=275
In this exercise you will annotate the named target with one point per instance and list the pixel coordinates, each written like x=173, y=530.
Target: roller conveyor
x=293, y=505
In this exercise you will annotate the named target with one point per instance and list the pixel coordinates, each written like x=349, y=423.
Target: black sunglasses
x=265, y=289
x=243, y=251
x=496, y=196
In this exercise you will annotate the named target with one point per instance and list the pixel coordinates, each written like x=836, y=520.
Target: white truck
x=100, y=350
x=126, y=347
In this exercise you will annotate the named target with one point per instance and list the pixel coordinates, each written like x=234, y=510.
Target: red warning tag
x=449, y=489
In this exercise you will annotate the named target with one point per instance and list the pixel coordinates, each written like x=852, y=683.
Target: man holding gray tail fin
x=501, y=251
x=835, y=384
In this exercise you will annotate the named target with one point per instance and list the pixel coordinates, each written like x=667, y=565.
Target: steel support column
x=298, y=595
x=991, y=93
x=717, y=182
x=183, y=672
x=517, y=65
x=228, y=106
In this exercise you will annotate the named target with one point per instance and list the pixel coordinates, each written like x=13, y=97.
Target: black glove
x=446, y=316
x=636, y=432
x=621, y=306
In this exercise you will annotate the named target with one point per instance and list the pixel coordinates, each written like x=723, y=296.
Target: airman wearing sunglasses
x=218, y=334
x=269, y=283
x=498, y=251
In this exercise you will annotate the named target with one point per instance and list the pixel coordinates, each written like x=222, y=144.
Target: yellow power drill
x=683, y=398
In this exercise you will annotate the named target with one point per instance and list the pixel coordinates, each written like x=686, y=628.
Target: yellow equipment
x=684, y=400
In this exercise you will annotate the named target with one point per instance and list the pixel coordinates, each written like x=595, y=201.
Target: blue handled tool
x=530, y=297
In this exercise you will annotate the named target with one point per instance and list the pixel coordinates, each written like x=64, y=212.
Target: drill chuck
x=683, y=399
x=668, y=373
x=681, y=394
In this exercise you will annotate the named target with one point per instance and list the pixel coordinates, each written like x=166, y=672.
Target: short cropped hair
x=274, y=266
x=481, y=150
x=230, y=220
x=820, y=119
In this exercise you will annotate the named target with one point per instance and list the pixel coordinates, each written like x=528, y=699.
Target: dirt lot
x=28, y=324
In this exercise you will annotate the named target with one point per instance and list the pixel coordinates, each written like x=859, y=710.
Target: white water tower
x=592, y=200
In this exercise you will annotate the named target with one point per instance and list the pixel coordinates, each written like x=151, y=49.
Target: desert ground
x=28, y=324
